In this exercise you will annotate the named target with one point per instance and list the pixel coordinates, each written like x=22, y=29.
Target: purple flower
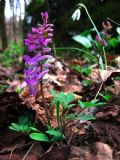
x=101, y=41
x=34, y=60
x=40, y=36
x=98, y=38
x=45, y=17
x=37, y=42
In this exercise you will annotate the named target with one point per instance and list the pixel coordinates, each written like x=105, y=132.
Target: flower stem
x=43, y=98
x=82, y=5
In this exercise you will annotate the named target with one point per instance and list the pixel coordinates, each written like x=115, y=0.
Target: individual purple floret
x=101, y=41
x=37, y=42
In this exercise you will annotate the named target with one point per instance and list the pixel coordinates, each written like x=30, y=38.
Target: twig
x=118, y=24
x=99, y=90
x=13, y=151
x=68, y=143
x=28, y=151
x=48, y=150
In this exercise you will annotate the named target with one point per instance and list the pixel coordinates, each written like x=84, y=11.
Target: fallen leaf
x=104, y=151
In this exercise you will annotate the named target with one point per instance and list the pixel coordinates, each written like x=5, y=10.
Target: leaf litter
x=97, y=140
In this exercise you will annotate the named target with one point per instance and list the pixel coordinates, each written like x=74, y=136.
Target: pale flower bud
x=76, y=15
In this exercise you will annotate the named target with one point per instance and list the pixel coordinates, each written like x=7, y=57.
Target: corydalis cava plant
x=37, y=42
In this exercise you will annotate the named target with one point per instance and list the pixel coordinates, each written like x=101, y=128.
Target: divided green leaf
x=90, y=104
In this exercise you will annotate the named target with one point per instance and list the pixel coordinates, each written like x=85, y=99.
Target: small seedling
x=54, y=135
x=24, y=124
x=19, y=127
x=62, y=99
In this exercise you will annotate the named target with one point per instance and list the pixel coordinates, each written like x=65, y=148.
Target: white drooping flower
x=76, y=15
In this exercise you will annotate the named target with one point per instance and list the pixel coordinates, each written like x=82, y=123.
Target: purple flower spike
x=45, y=17
x=37, y=42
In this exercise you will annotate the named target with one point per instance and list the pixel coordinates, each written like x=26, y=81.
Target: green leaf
x=77, y=68
x=85, y=117
x=57, y=135
x=52, y=92
x=40, y=1
x=80, y=117
x=86, y=70
x=86, y=104
x=70, y=116
x=100, y=104
x=83, y=40
x=90, y=104
x=86, y=82
x=117, y=78
x=69, y=97
x=63, y=99
x=13, y=128
x=106, y=96
x=70, y=105
x=54, y=133
x=101, y=63
x=24, y=119
x=15, y=125
x=114, y=42
x=34, y=129
x=87, y=32
x=94, y=101
x=19, y=127
x=39, y=137
x=18, y=90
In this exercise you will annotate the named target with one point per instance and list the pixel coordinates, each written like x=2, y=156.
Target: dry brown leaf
x=30, y=102
x=80, y=131
x=102, y=75
x=83, y=152
x=104, y=151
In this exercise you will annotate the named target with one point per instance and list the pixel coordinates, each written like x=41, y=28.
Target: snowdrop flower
x=76, y=15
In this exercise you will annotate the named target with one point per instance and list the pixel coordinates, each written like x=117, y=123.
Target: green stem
x=58, y=114
x=105, y=58
x=54, y=50
x=82, y=5
x=70, y=48
x=43, y=98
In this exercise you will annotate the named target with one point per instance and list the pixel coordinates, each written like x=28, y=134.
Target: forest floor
x=85, y=140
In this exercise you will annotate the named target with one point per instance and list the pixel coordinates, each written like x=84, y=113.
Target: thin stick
x=13, y=151
x=118, y=24
x=28, y=151
x=99, y=90
x=68, y=143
